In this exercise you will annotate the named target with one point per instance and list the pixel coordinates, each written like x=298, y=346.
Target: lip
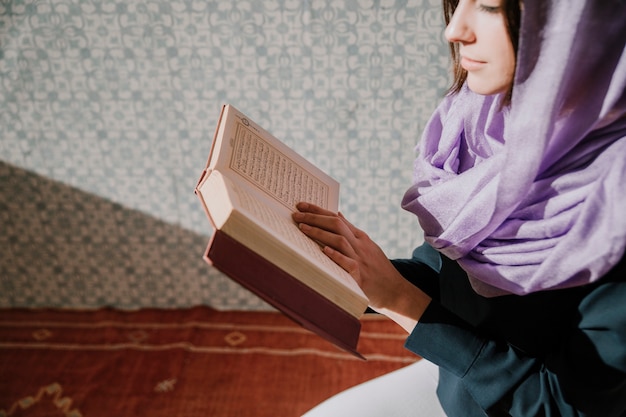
x=469, y=64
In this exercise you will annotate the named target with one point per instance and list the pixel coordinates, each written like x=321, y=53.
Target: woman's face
x=486, y=51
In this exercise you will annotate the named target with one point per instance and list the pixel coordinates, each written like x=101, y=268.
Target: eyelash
x=488, y=9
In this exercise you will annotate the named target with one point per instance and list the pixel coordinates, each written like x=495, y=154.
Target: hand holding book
x=352, y=249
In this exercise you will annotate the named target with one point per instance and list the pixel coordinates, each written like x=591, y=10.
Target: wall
x=107, y=111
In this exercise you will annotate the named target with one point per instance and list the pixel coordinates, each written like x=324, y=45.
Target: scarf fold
x=531, y=196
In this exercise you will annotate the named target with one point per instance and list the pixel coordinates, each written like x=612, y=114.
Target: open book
x=249, y=188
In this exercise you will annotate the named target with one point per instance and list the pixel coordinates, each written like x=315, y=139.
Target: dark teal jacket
x=552, y=353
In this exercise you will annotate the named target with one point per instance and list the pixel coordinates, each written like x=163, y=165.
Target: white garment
x=407, y=392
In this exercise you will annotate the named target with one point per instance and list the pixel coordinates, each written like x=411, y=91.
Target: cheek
x=507, y=59
x=509, y=68
x=504, y=70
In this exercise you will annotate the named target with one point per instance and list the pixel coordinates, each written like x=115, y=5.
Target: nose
x=459, y=28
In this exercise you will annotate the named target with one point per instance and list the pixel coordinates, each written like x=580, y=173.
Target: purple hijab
x=533, y=196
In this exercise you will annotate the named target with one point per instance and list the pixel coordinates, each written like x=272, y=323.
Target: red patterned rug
x=184, y=363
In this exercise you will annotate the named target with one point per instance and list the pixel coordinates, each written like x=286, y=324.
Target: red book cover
x=284, y=292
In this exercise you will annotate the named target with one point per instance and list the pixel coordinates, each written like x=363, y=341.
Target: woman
x=518, y=295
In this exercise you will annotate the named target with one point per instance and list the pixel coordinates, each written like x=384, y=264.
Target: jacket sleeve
x=585, y=375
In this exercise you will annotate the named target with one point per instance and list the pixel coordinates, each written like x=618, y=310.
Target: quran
x=248, y=189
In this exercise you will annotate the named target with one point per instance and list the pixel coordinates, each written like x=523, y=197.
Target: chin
x=487, y=87
x=485, y=91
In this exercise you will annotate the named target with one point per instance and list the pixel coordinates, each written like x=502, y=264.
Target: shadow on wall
x=62, y=247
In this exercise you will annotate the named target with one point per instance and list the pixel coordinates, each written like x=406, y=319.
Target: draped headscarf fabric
x=531, y=196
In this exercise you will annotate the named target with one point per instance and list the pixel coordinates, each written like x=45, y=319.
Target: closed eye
x=489, y=9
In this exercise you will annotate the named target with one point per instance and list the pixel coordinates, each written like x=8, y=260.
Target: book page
x=287, y=231
x=272, y=171
x=249, y=188
x=251, y=156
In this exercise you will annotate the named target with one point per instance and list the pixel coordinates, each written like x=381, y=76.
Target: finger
x=303, y=206
x=328, y=239
x=348, y=264
x=331, y=223
x=328, y=222
x=353, y=229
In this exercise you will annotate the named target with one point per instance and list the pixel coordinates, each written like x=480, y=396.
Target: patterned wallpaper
x=107, y=111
